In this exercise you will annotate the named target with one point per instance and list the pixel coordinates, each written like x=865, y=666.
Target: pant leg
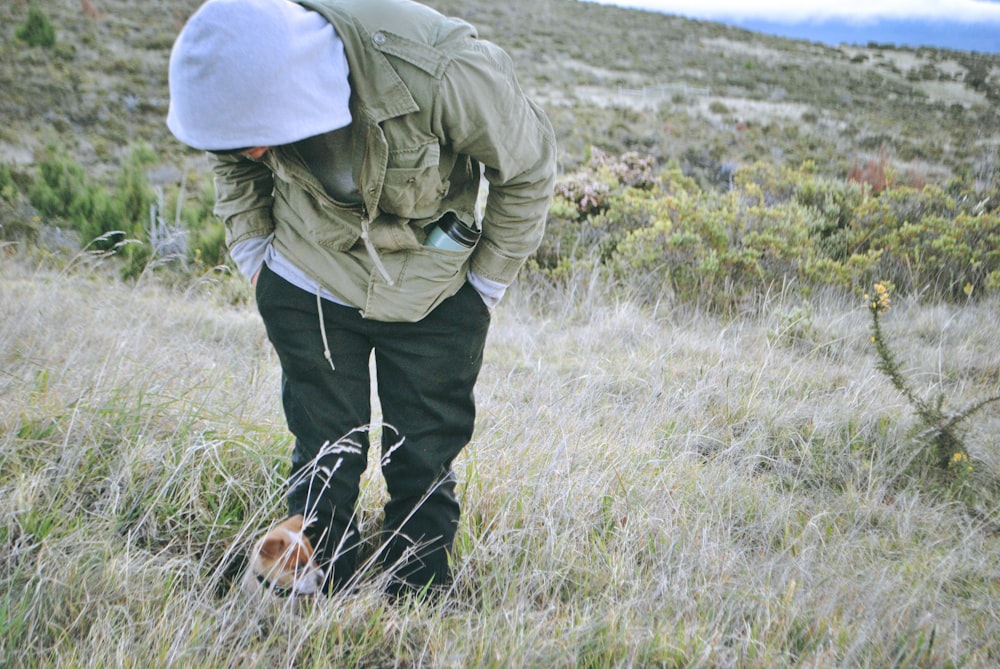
x=322, y=407
x=426, y=374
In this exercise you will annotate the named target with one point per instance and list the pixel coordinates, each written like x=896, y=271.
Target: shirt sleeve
x=491, y=291
x=248, y=254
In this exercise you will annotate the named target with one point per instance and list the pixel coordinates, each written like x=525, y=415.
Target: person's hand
x=253, y=280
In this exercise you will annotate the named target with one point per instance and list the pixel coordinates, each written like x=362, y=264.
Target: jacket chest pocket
x=413, y=187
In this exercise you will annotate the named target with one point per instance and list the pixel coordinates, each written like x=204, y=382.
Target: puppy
x=282, y=561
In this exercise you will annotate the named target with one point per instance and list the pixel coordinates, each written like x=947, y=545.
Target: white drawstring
x=372, y=251
x=322, y=328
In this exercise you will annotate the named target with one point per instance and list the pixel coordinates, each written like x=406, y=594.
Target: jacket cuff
x=247, y=224
x=491, y=263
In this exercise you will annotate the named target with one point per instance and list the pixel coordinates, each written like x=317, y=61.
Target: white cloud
x=861, y=11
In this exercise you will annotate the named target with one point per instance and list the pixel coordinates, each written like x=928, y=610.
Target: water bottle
x=450, y=233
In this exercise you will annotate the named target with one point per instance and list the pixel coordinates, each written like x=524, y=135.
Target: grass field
x=647, y=487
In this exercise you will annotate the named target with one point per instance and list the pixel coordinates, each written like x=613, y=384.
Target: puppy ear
x=273, y=547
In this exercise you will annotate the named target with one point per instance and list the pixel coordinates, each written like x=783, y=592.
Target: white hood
x=249, y=73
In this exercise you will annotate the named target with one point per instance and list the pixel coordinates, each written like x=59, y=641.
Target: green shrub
x=133, y=189
x=18, y=221
x=925, y=241
x=766, y=181
x=61, y=188
x=143, y=225
x=717, y=107
x=135, y=199
x=37, y=29
x=717, y=250
x=103, y=223
x=776, y=226
x=8, y=187
x=63, y=191
x=206, y=234
x=835, y=204
x=209, y=242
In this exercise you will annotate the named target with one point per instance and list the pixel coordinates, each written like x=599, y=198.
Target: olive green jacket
x=430, y=103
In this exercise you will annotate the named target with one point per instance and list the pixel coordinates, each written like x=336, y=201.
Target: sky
x=859, y=11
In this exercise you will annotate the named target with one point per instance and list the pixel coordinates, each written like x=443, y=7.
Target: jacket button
x=379, y=38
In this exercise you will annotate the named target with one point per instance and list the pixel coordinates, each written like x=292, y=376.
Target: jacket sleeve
x=243, y=197
x=482, y=112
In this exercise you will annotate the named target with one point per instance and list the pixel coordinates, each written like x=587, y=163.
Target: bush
x=589, y=189
x=133, y=189
x=925, y=241
x=718, y=250
x=146, y=227
x=63, y=191
x=8, y=187
x=61, y=188
x=18, y=221
x=206, y=233
x=717, y=107
x=36, y=30
x=669, y=238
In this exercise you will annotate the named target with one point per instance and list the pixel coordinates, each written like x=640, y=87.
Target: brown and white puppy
x=282, y=561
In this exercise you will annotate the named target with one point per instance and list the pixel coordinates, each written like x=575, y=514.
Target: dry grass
x=646, y=488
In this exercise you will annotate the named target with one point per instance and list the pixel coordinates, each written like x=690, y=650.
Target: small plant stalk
x=940, y=427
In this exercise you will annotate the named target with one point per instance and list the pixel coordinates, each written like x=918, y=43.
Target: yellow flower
x=960, y=459
x=880, y=302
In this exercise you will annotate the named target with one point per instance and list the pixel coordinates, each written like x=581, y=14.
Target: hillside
x=702, y=94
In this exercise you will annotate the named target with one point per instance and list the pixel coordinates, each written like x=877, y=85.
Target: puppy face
x=283, y=560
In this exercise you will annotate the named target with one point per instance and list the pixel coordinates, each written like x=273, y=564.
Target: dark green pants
x=425, y=375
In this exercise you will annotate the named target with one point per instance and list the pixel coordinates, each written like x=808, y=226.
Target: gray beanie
x=249, y=73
